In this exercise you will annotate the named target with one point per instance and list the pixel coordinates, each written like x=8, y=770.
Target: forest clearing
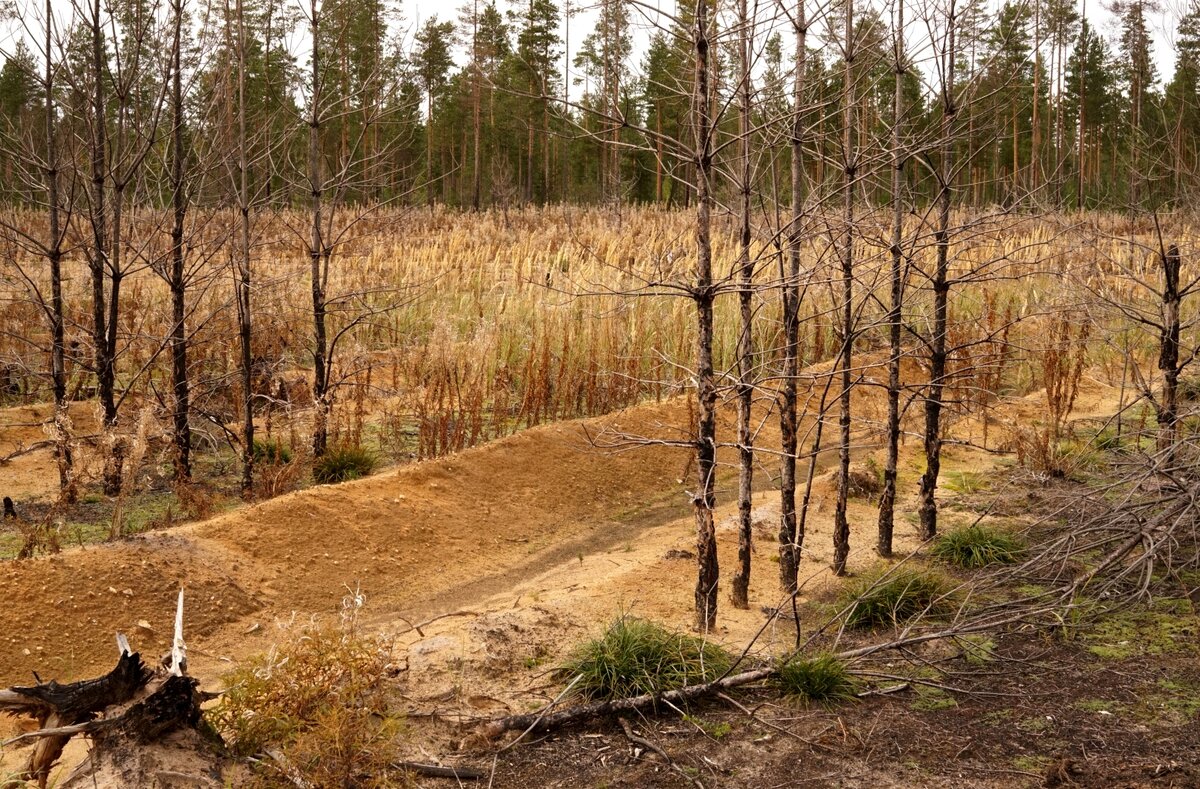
x=726, y=395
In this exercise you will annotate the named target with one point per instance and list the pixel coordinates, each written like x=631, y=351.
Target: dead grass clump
x=865, y=481
x=195, y=499
x=317, y=708
x=279, y=478
x=39, y=537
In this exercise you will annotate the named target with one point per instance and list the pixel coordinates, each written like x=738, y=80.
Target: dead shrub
x=38, y=537
x=864, y=482
x=275, y=479
x=195, y=499
x=1042, y=447
x=318, y=705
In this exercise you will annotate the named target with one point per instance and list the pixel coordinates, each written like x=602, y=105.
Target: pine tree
x=537, y=55
x=431, y=63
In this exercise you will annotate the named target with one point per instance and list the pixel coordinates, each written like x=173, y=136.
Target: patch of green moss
x=1031, y=763
x=930, y=699
x=1177, y=703
x=1098, y=706
x=996, y=717
x=1035, y=724
x=1130, y=634
x=978, y=650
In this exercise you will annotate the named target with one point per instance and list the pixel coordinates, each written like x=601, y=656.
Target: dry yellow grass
x=484, y=323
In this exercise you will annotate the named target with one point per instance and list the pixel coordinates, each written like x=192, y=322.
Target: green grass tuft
x=883, y=602
x=822, y=679
x=977, y=546
x=341, y=464
x=272, y=451
x=966, y=482
x=635, y=656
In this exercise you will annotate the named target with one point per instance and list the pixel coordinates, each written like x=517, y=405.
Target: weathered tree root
x=63, y=711
x=59, y=708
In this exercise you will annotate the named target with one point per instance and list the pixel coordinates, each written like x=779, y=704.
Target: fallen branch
x=883, y=691
x=440, y=771
x=24, y=449
x=649, y=746
x=782, y=730
x=543, y=721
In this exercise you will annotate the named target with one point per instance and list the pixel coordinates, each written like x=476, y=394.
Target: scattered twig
x=442, y=771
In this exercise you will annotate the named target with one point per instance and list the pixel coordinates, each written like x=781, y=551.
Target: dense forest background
x=1054, y=111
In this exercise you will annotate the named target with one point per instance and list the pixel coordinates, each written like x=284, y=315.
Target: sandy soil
x=503, y=556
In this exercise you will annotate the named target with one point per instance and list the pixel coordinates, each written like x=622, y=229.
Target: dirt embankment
x=415, y=540
x=542, y=517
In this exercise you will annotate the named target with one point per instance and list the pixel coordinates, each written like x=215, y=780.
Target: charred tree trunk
x=841, y=525
x=182, y=434
x=941, y=291
x=790, y=538
x=316, y=256
x=98, y=262
x=123, y=740
x=243, y=274
x=476, y=101
x=1168, y=358
x=704, y=498
x=887, y=497
x=55, y=706
x=54, y=255
x=745, y=346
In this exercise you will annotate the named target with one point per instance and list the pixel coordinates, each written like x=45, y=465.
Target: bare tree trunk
x=546, y=178
x=243, y=284
x=1168, y=359
x=791, y=539
x=476, y=88
x=887, y=498
x=566, y=157
x=98, y=257
x=704, y=498
x=841, y=526
x=179, y=372
x=316, y=250
x=745, y=345
x=941, y=290
x=58, y=363
x=1035, y=156
x=1080, y=159
x=103, y=261
x=613, y=85
x=429, y=150
x=1060, y=50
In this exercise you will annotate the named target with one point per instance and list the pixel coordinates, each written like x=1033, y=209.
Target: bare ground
x=487, y=566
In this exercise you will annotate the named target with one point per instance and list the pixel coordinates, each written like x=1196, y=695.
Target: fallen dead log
x=545, y=721
x=78, y=699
